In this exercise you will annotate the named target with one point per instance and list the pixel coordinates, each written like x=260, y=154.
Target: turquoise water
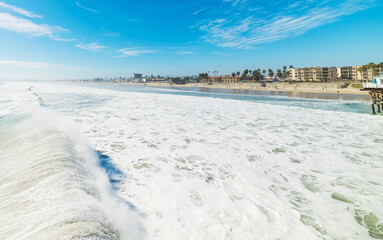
x=356, y=106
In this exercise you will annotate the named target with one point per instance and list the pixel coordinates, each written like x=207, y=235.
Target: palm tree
x=291, y=66
x=371, y=65
x=245, y=74
x=279, y=73
x=263, y=73
x=233, y=75
x=271, y=73
x=238, y=73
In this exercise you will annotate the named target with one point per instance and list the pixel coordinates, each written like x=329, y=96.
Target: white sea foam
x=204, y=168
x=51, y=184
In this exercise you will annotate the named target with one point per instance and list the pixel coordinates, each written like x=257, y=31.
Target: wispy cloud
x=18, y=10
x=37, y=65
x=89, y=9
x=25, y=26
x=184, y=52
x=130, y=52
x=196, y=12
x=93, y=47
x=245, y=30
x=64, y=39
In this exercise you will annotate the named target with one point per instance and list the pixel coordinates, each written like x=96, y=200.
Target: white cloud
x=18, y=10
x=129, y=52
x=25, y=26
x=93, y=47
x=245, y=30
x=63, y=39
x=37, y=65
x=89, y=9
x=184, y=52
x=196, y=12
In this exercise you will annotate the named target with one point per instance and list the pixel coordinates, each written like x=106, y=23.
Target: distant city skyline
x=51, y=40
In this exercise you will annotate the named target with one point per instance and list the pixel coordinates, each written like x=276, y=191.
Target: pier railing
x=372, y=85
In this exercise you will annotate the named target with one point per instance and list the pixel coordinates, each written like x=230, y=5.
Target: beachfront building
x=224, y=79
x=231, y=79
x=309, y=74
x=358, y=74
x=374, y=72
x=157, y=80
x=293, y=74
x=137, y=78
x=137, y=75
x=345, y=73
x=328, y=74
x=314, y=74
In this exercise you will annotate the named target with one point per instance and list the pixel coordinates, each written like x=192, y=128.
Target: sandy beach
x=328, y=88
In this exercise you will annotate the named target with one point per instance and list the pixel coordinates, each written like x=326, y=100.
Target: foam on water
x=51, y=183
x=208, y=168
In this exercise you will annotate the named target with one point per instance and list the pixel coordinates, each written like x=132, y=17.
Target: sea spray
x=51, y=184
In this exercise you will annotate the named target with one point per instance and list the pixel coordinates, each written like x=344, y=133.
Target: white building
x=293, y=74
x=376, y=83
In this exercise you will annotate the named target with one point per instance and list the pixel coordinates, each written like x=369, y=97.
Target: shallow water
x=190, y=165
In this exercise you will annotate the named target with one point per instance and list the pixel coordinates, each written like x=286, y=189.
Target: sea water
x=122, y=162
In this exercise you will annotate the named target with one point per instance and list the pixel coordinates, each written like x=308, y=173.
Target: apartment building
x=345, y=73
x=331, y=73
x=358, y=75
x=293, y=74
x=373, y=72
x=224, y=79
x=328, y=73
x=314, y=74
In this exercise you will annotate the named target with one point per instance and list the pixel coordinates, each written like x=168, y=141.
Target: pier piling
x=375, y=89
x=376, y=96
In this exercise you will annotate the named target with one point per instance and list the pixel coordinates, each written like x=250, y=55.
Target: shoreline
x=329, y=91
x=329, y=88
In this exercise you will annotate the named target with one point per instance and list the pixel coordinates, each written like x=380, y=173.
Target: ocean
x=87, y=161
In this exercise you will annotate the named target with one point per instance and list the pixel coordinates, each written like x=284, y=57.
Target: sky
x=81, y=39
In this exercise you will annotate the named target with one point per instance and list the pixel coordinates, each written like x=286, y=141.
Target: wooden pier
x=376, y=96
x=375, y=89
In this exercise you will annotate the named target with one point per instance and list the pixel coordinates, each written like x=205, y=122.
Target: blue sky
x=51, y=39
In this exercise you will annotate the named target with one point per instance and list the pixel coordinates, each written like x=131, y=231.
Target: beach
x=328, y=88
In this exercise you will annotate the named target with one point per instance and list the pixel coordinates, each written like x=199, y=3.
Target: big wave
x=52, y=185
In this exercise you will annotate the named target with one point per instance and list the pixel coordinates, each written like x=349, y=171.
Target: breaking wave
x=53, y=185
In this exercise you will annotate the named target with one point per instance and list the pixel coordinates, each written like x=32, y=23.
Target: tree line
x=370, y=65
x=256, y=74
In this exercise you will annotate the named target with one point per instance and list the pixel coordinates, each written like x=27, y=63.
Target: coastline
x=327, y=88
x=324, y=91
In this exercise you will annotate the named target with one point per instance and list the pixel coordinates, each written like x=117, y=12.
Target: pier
x=375, y=90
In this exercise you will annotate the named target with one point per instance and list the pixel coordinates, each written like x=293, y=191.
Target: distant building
x=224, y=79
x=313, y=74
x=157, y=80
x=374, y=72
x=345, y=73
x=358, y=74
x=137, y=75
x=293, y=74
